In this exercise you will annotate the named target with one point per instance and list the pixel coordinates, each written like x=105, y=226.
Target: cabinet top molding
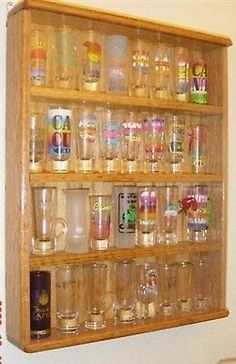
x=121, y=19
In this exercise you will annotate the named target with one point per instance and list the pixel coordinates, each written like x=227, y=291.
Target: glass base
x=146, y=239
x=137, y=90
x=167, y=309
x=152, y=167
x=176, y=167
x=43, y=247
x=185, y=305
x=110, y=165
x=60, y=166
x=95, y=321
x=160, y=94
x=99, y=244
x=129, y=166
x=125, y=315
x=168, y=238
x=64, y=82
x=39, y=334
x=201, y=304
x=90, y=86
x=36, y=167
x=145, y=310
x=86, y=165
x=182, y=97
x=197, y=235
x=68, y=324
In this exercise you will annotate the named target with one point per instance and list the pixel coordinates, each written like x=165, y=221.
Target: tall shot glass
x=46, y=220
x=95, y=288
x=184, y=286
x=131, y=131
x=59, y=138
x=86, y=138
x=198, y=211
x=110, y=139
x=146, y=224
x=100, y=221
x=161, y=72
x=168, y=210
x=67, y=299
x=140, y=68
x=37, y=142
x=198, y=148
x=167, y=288
x=65, y=55
x=146, y=290
x=125, y=293
x=153, y=127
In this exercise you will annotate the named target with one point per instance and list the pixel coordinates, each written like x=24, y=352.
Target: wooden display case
x=21, y=94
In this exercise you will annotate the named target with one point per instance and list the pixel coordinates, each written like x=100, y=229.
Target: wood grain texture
x=114, y=331
x=124, y=177
x=121, y=19
x=17, y=187
x=71, y=96
x=120, y=254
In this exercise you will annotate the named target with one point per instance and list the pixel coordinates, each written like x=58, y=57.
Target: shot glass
x=181, y=74
x=161, y=72
x=86, y=138
x=202, y=278
x=125, y=215
x=65, y=54
x=198, y=148
x=131, y=131
x=46, y=220
x=125, y=291
x=37, y=142
x=146, y=290
x=77, y=210
x=153, y=128
x=110, y=139
x=176, y=142
x=184, y=286
x=147, y=215
x=168, y=210
x=140, y=68
x=198, y=211
x=116, y=56
x=95, y=287
x=40, y=304
x=91, y=78
x=100, y=221
x=38, y=57
x=67, y=299
x=167, y=289
x=198, y=78
x=59, y=138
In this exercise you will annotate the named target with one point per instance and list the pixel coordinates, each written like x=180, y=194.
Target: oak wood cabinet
x=20, y=94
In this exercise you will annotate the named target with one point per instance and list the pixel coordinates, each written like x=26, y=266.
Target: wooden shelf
x=57, y=340
x=119, y=254
x=124, y=177
x=71, y=96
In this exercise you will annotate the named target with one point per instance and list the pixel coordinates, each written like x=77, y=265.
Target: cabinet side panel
x=17, y=206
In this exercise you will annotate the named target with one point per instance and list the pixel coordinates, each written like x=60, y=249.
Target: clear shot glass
x=67, y=299
x=146, y=290
x=125, y=291
x=100, y=221
x=95, y=288
x=168, y=213
x=184, y=286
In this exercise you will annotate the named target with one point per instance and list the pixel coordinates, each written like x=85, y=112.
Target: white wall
x=203, y=343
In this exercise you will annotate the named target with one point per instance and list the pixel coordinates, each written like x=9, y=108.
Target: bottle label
x=198, y=209
x=111, y=135
x=59, y=134
x=132, y=131
x=127, y=212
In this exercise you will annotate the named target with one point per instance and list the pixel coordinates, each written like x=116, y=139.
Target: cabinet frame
x=19, y=180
